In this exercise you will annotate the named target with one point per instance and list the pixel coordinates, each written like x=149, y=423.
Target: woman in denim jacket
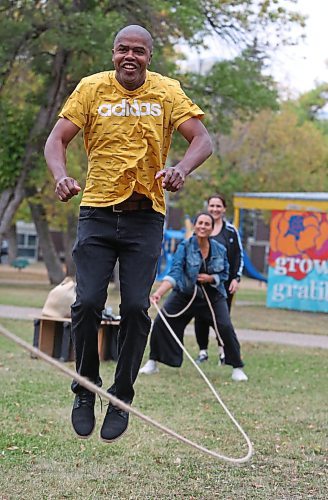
x=199, y=262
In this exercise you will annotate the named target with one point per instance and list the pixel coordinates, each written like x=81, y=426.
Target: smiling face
x=131, y=55
x=216, y=208
x=203, y=226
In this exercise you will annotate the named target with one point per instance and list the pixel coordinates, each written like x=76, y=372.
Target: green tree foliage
x=46, y=46
x=275, y=151
x=278, y=153
x=311, y=103
x=15, y=124
x=66, y=40
x=215, y=176
x=310, y=106
x=233, y=89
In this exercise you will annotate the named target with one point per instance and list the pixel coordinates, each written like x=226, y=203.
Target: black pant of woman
x=163, y=346
x=202, y=327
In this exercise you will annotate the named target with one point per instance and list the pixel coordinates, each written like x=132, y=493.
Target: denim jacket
x=187, y=262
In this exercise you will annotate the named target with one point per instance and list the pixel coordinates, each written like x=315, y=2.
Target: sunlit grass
x=282, y=407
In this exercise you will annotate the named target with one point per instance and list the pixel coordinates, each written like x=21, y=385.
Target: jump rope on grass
x=123, y=406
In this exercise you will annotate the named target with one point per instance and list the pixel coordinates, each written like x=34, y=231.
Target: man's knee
x=89, y=303
x=134, y=308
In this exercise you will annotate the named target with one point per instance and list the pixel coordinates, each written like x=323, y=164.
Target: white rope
x=184, y=309
x=176, y=315
x=202, y=374
x=220, y=341
x=117, y=402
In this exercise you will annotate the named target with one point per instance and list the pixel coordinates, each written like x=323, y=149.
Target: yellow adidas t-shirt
x=127, y=134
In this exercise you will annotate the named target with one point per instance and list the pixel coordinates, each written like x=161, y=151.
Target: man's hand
x=205, y=278
x=66, y=188
x=173, y=178
x=200, y=148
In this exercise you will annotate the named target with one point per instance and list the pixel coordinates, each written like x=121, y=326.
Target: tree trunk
x=50, y=256
x=11, y=198
x=12, y=243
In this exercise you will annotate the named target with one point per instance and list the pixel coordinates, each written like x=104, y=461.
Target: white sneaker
x=238, y=375
x=150, y=368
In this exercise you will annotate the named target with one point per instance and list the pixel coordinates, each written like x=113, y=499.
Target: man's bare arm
x=55, y=154
x=200, y=148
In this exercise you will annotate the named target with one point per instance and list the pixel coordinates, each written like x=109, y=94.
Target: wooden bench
x=53, y=336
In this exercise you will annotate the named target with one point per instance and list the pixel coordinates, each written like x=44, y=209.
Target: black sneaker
x=83, y=415
x=115, y=424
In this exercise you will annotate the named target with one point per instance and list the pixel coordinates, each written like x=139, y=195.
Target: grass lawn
x=24, y=295
x=254, y=317
x=249, y=312
x=283, y=408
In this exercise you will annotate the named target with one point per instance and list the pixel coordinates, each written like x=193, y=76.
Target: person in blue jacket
x=226, y=234
x=200, y=268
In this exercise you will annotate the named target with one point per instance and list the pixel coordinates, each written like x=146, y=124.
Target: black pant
x=202, y=327
x=165, y=349
x=134, y=239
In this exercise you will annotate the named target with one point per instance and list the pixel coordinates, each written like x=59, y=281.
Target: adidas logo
x=124, y=108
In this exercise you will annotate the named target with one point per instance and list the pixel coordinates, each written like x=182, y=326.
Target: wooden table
x=53, y=336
